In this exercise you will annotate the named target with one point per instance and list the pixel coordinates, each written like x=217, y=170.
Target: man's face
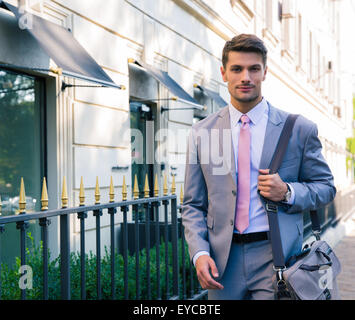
x=244, y=73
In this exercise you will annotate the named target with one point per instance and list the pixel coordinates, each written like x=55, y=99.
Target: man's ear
x=265, y=72
x=223, y=73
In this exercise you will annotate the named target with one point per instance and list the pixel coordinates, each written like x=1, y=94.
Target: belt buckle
x=271, y=207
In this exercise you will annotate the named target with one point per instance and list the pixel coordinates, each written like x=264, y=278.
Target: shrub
x=10, y=275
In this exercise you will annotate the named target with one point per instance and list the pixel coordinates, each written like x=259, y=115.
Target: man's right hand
x=203, y=266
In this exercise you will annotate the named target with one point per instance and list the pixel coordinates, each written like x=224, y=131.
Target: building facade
x=84, y=131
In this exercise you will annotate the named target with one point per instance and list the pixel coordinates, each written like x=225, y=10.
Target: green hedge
x=10, y=276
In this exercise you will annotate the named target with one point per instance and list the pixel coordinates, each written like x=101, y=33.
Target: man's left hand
x=271, y=186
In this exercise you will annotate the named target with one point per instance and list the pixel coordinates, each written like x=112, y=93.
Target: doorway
x=142, y=116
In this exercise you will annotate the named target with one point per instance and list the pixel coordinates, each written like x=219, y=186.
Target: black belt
x=250, y=237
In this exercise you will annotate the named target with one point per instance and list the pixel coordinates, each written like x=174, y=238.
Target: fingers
x=271, y=186
x=204, y=267
x=265, y=180
x=264, y=176
x=264, y=171
x=213, y=267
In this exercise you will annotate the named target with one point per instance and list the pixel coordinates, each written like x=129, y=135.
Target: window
x=288, y=27
x=272, y=30
x=318, y=68
x=21, y=149
x=310, y=56
x=269, y=14
x=299, y=42
x=244, y=10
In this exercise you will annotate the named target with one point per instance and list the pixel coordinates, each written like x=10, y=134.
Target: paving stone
x=345, y=251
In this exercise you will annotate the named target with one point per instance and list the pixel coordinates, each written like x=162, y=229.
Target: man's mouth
x=245, y=88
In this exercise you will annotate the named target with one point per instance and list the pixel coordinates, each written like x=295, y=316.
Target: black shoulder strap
x=282, y=143
x=271, y=207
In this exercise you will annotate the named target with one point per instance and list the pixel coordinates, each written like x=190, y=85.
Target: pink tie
x=243, y=199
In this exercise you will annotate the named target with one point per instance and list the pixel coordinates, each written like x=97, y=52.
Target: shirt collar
x=254, y=114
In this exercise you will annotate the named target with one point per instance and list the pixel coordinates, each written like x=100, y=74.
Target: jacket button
x=234, y=192
x=232, y=222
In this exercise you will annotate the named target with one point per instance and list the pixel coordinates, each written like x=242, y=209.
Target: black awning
x=213, y=95
x=60, y=45
x=164, y=78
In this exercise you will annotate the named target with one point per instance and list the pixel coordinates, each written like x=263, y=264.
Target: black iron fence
x=174, y=276
x=151, y=244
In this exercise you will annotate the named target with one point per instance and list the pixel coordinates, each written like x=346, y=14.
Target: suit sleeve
x=195, y=203
x=315, y=187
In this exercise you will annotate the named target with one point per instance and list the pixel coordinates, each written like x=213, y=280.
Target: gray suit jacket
x=208, y=209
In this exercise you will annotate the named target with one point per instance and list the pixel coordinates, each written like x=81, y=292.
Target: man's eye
x=236, y=69
x=255, y=69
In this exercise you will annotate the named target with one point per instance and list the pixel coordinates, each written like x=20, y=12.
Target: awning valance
x=164, y=78
x=71, y=58
x=213, y=95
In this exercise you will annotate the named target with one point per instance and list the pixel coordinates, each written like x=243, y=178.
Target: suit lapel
x=228, y=155
x=272, y=134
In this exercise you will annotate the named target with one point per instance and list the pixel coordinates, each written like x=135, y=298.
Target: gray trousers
x=248, y=273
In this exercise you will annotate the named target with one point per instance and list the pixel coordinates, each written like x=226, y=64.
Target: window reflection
x=20, y=150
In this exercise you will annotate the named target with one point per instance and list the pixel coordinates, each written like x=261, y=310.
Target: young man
x=228, y=156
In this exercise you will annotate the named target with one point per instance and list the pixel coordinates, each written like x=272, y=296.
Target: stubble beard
x=246, y=99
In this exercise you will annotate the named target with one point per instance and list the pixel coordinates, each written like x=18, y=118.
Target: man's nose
x=245, y=76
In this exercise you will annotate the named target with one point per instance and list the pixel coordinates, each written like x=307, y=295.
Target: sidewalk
x=345, y=251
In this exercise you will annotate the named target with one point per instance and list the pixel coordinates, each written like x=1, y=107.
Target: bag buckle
x=271, y=207
x=279, y=270
x=282, y=291
x=316, y=234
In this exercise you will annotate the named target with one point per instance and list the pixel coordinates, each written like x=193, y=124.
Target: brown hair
x=245, y=43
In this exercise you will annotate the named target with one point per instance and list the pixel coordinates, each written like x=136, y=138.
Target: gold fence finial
x=181, y=194
x=165, y=185
x=135, y=188
x=173, y=186
x=124, y=189
x=81, y=193
x=44, y=196
x=112, y=191
x=22, y=201
x=64, y=194
x=156, y=186
x=146, y=187
x=97, y=191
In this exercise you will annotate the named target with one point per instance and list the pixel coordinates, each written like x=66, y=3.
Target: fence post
x=124, y=209
x=111, y=212
x=98, y=214
x=156, y=205
x=183, y=258
x=44, y=223
x=65, y=247
x=174, y=239
x=22, y=226
x=2, y=229
x=82, y=216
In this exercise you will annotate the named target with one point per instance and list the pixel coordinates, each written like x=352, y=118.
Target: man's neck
x=245, y=107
